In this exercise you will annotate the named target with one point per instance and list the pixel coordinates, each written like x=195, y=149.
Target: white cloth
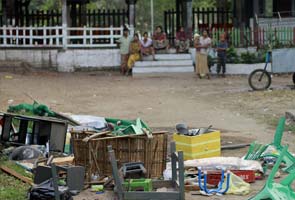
x=146, y=44
x=205, y=41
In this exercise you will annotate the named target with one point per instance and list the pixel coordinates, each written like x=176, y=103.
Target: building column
x=64, y=23
x=239, y=13
x=84, y=15
x=131, y=9
x=293, y=8
x=189, y=18
x=178, y=12
x=268, y=8
x=4, y=13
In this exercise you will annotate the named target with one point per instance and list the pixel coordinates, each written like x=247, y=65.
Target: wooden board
x=16, y=175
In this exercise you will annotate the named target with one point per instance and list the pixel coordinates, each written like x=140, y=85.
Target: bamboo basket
x=93, y=155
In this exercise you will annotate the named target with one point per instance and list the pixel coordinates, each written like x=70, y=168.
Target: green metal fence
x=256, y=37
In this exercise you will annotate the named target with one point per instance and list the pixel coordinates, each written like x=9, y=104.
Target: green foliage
x=45, y=5
x=232, y=55
x=249, y=57
x=204, y=3
x=246, y=57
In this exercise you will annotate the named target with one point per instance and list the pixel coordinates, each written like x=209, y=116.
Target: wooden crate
x=94, y=157
x=200, y=146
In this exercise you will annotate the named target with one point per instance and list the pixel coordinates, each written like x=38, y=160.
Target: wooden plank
x=95, y=135
x=16, y=175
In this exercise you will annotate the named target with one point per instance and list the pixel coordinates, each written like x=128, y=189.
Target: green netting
x=32, y=109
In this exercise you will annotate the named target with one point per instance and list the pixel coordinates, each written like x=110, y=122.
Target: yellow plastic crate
x=200, y=146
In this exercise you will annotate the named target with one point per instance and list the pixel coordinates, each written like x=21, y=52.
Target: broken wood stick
x=95, y=135
x=16, y=175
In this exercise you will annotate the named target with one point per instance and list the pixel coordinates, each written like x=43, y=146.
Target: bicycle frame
x=267, y=60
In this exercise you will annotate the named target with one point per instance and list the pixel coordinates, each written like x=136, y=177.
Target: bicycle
x=260, y=79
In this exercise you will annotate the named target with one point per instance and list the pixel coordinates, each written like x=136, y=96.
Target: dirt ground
x=162, y=101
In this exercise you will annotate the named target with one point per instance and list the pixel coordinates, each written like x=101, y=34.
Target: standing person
x=147, y=46
x=182, y=42
x=134, y=54
x=202, y=55
x=196, y=44
x=221, y=53
x=124, y=43
x=160, y=40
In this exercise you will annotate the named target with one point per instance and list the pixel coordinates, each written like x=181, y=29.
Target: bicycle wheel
x=293, y=77
x=259, y=79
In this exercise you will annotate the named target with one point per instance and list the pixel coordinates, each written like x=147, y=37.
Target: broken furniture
x=177, y=181
x=28, y=130
x=273, y=190
x=133, y=170
x=74, y=175
x=199, y=146
x=93, y=154
x=256, y=151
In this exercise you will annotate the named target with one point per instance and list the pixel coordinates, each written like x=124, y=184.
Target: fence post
x=294, y=35
x=57, y=36
x=112, y=35
x=5, y=35
x=84, y=35
x=91, y=35
x=44, y=35
x=31, y=35
x=16, y=35
x=64, y=24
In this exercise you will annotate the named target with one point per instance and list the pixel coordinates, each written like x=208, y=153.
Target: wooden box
x=93, y=155
x=200, y=146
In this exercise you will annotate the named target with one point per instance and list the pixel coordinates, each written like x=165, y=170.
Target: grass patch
x=273, y=122
x=10, y=187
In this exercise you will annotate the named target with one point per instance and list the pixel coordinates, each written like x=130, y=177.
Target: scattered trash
x=97, y=188
x=8, y=77
x=218, y=191
x=218, y=163
x=236, y=185
x=88, y=121
x=25, y=153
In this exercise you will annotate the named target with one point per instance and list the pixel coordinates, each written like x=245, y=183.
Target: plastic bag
x=212, y=53
x=237, y=186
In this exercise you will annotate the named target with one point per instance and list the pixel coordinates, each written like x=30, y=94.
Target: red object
x=214, y=177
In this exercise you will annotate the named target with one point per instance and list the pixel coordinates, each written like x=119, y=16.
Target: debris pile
x=62, y=154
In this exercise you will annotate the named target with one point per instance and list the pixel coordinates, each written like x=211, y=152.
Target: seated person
x=182, y=42
x=147, y=46
x=134, y=54
x=160, y=40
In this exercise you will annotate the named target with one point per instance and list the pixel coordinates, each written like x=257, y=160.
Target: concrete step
x=163, y=63
x=162, y=57
x=163, y=69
